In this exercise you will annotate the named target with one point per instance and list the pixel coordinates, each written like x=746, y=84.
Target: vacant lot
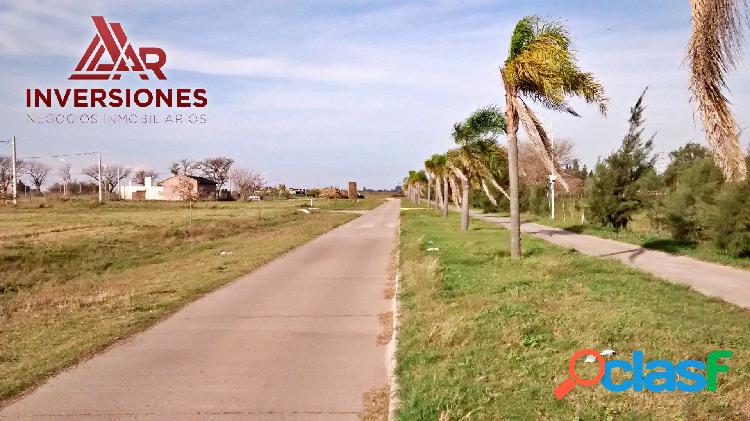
x=483, y=337
x=77, y=276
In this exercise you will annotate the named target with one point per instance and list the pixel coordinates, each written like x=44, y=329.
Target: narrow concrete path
x=730, y=284
x=297, y=339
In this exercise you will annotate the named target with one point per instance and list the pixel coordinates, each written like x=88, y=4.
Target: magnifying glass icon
x=568, y=384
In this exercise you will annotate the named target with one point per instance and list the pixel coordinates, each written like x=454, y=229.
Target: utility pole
x=13, y=166
x=100, y=176
x=552, y=179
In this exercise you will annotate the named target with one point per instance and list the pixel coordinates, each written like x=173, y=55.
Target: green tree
x=690, y=198
x=541, y=66
x=682, y=158
x=616, y=189
x=478, y=151
x=730, y=224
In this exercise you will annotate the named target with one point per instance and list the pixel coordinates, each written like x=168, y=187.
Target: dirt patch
x=376, y=405
x=386, y=322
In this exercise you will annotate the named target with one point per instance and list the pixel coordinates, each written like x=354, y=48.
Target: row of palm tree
x=542, y=66
x=413, y=185
x=477, y=159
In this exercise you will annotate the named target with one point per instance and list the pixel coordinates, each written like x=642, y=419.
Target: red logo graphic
x=111, y=38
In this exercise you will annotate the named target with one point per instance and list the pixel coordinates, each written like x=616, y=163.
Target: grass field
x=483, y=337
x=641, y=233
x=77, y=276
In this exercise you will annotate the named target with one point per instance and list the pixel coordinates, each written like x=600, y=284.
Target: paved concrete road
x=730, y=284
x=296, y=339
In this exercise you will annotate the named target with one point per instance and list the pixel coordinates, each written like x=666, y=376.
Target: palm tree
x=409, y=185
x=421, y=181
x=429, y=169
x=713, y=50
x=439, y=168
x=477, y=140
x=413, y=185
x=542, y=66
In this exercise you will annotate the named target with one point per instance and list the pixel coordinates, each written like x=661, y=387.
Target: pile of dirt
x=333, y=193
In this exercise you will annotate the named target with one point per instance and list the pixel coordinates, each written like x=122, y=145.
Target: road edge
x=390, y=353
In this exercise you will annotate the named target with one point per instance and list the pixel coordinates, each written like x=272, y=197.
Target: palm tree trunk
x=428, y=193
x=445, y=197
x=437, y=192
x=465, y=205
x=511, y=117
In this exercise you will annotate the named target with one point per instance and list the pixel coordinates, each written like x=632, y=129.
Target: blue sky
x=318, y=93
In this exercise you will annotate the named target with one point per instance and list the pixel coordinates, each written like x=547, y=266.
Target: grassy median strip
x=483, y=337
x=76, y=277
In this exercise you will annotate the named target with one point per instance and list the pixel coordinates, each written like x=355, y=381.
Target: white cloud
x=270, y=67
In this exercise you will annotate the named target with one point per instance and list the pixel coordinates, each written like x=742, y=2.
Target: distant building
x=147, y=191
x=202, y=187
x=296, y=192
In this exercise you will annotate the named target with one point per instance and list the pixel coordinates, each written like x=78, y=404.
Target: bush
x=535, y=199
x=478, y=199
x=730, y=222
x=685, y=208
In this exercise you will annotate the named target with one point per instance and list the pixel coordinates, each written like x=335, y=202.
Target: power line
x=60, y=155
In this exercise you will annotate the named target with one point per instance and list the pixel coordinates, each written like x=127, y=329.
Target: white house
x=148, y=191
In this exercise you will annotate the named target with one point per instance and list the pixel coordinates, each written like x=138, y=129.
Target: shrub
x=685, y=208
x=535, y=199
x=478, y=199
x=730, y=221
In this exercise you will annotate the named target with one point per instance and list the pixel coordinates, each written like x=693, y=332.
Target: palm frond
x=483, y=125
x=713, y=51
x=539, y=140
x=497, y=186
x=544, y=68
x=487, y=193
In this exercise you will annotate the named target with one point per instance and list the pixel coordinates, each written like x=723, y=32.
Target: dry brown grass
x=386, y=323
x=376, y=405
x=69, y=290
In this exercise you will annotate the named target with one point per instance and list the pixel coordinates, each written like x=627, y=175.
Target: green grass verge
x=77, y=276
x=640, y=232
x=484, y=337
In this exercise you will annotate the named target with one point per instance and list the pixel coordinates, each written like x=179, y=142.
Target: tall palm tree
x=713, y=51
x=421, y=182
x=440, y=170
x=542, y=66
x=477, y=140
x=411, y=185
x=429, y=169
